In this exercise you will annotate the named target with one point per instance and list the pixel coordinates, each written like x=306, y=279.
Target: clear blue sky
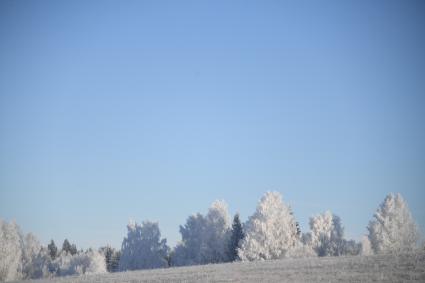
x=152, y=110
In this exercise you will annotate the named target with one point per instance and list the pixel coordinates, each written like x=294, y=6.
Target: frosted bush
x=301, y=250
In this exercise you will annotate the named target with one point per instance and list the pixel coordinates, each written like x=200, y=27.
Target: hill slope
x=385, y=268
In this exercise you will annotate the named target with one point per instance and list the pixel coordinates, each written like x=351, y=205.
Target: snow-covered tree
x=11, y=246
x=89, y=262
x=143, y=247
x=188, y=251
x=393, y=229
x=204, y=239
x=271, y=231
x=300, y=250
x=38, y=265
x=366, y=248
x=24, y=258
x=236, y=237
x=92, y=262
x=20, y=257
x=326, y=235
x=30, y=256
x=217, y=234
x=351, y=247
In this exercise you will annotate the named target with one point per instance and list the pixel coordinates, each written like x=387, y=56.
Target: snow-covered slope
x=384, y=268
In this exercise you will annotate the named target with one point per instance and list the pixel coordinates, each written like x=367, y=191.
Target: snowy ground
x=388, y=268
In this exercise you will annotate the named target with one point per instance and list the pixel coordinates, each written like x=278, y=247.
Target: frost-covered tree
x=11, y=246
x=38, y=265
x=351, y=247
x=326, y=235
x=217, y=234
x=188, y=251
x=300, y=250
x=31, y=257
x=89, y=262
x=204, y=238
x=24, y=257
x=270, y=232
x=94, y=262
x=143, y=247
x=42, y=266
x=20, y=257
x=366, y=248
x=393, y=229
x=53, y=250
x=236, y=237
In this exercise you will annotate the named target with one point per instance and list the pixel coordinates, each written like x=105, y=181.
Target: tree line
x=271, y=232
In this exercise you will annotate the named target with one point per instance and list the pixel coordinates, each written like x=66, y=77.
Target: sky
x=151, y=110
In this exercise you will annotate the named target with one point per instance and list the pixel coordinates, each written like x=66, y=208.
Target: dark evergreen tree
x=169, y=258
x=53, y=250
x=237, y=235
x=297, y=225
x=115, y=260
x=66, y=246
x=111, y=259
x=298, y=229
x=73, y=249
x=108, y=257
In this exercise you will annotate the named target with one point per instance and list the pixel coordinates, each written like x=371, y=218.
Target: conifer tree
x=53, y=250
x=66, y=246
x=236, y=237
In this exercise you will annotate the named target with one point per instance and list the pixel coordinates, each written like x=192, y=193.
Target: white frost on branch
x=271, y=231
x=204, y=238
x=393, y=229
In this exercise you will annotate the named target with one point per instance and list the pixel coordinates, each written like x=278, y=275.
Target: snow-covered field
x=383, y=268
